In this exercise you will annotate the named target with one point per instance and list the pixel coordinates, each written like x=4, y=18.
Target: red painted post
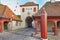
x=1, y=28
x=43, y=25
x=55, y=28
x=36, y=28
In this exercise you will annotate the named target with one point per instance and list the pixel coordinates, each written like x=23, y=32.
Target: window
x=23, y=9
x=16, y=23
x=31, y=8
x=19, y=24
x=34, y=9
x=28, y=8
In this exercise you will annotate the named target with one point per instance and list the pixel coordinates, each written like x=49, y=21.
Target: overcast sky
x=13, y=3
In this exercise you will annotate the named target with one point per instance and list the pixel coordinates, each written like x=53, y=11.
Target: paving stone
x=25, y=34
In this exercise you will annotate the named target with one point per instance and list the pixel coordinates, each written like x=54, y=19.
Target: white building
x=27, y=10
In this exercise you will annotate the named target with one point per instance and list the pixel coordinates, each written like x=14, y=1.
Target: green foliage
x=19, y=16
x=1, y=4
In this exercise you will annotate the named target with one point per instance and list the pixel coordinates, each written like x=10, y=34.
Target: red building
x=52, y=9
x=53, y=15
x=5, y=17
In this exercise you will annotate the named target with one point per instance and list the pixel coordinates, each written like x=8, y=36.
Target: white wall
x=12, y=25
x=25, y=14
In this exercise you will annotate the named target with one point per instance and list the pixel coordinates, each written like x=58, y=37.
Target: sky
x=14, y=5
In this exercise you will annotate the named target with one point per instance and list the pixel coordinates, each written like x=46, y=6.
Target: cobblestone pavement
x=25, y=34
x=21, y=34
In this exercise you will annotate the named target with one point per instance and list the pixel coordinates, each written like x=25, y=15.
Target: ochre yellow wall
x=50, y=25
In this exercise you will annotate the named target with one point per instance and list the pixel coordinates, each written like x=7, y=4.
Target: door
x=5, y=25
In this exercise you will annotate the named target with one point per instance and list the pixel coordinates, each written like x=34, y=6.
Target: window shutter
x=23, y=9
x=34, y=9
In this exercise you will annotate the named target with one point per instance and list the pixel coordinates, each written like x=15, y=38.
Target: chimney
x=52, y=1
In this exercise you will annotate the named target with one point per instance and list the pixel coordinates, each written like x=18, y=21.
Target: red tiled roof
x=52, y=9
x=2, y=9
x=29, y=4
x=7, y=13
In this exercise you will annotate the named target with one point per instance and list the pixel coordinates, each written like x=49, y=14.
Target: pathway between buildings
x=25, y=34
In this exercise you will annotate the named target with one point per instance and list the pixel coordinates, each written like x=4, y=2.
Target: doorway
x=58, y=24
x=5, y=26
x=29, y=21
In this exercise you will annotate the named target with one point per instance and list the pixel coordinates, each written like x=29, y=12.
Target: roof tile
x=7, y=13
x=52, y=9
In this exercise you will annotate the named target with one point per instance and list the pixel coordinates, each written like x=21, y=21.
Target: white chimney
x=52, y=1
